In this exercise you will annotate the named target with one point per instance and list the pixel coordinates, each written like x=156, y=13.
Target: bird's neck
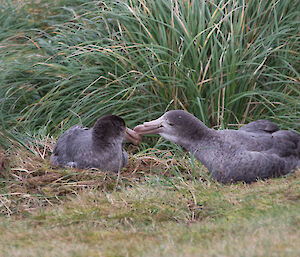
x=197, y=134
x=99, y=138
x=211, y=151
x=101, y=141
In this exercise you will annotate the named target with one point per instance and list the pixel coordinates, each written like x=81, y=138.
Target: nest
x=29, y=182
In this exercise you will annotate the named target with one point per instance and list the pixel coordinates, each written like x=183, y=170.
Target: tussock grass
x=227, y=62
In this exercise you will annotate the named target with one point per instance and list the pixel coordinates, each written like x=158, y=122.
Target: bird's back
x=260, y=126
x=75, y=148
x=65, y=145
x=260, y=150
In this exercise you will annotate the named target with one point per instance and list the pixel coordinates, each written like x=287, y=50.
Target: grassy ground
x=150, y=209
x=64, y=62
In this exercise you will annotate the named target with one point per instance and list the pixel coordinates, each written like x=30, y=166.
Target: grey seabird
x=258, y=150
x=98, y=147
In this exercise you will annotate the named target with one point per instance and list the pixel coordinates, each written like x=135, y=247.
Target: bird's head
x=177, y=126
x=112, y=128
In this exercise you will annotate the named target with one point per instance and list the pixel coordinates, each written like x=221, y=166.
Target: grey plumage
x=258, y=150
x=98, y=147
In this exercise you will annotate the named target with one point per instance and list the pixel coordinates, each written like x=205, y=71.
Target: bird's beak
x=132, y=136
x=151, y=127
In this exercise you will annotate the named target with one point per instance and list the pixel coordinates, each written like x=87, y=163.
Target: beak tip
x=133, y=137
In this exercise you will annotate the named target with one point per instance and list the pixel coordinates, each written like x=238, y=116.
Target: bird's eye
x=171, y=124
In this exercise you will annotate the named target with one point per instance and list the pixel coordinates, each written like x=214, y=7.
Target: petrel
x=258, y=150
x=98, y=147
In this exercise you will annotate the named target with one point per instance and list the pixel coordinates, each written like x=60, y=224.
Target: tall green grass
x=227, y=62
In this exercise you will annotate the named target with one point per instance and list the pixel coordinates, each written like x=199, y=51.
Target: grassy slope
x=157, y=212
x=152, y=220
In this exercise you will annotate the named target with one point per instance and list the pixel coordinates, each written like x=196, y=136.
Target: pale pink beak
x=132, y=136
x=151, y=127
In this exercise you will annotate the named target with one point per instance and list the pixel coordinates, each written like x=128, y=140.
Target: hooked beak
x=151, y=127
x=132, y=136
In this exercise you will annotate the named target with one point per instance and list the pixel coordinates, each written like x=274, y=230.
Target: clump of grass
x=221, y=61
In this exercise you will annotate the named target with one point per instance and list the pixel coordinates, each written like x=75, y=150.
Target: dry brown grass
x=30, y=182
x=4, y=162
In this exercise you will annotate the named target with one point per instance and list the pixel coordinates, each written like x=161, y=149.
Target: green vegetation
x=149, y=210
x=70, y=61
x=226, y=62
